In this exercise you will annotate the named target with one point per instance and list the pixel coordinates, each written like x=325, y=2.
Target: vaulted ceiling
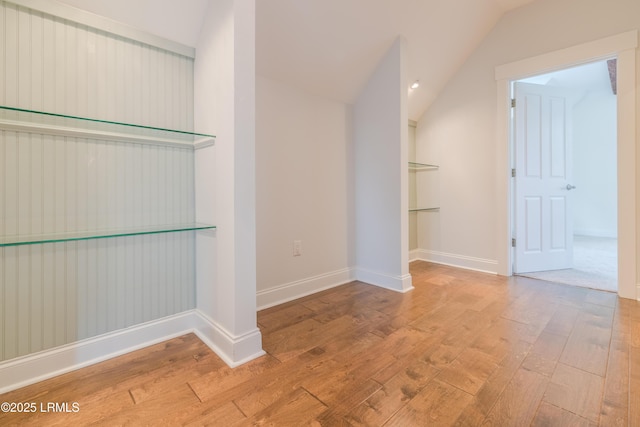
x=330, y=47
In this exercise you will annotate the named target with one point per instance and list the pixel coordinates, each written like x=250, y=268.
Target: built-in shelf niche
x=23, y=121
x=418, y=167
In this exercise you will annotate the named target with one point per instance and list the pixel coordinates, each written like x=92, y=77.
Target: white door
x=543, y=186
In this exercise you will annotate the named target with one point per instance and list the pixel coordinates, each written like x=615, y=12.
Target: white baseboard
x=414, y=255
x=454, y=260
x=394, y=283
x=30, y=369
x=300, y=288
x=233, y=350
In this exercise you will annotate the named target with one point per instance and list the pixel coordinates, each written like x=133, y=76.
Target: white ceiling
x=331, y=47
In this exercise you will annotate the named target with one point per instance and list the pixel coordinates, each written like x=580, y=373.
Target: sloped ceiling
x=330, y=47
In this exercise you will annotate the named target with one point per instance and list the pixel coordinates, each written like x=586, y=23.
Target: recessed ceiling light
x=415, y=84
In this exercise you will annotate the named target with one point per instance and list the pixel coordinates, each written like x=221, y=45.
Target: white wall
x=381, y=181
x=327, y=172
x=303, y=173
x=459, y=129
x=595, y=165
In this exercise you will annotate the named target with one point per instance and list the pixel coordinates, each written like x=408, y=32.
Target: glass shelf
x=413, y=166
x=33, y=239
x=21, y=120
x=424, y=209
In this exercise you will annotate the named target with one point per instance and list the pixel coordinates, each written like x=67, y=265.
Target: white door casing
x=543, y=186
x=622, y=46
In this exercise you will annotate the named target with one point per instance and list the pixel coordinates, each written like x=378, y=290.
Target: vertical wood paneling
x=121, y=282
x=154, y=275
x=59, y=65
x=82, y=191
x=99, y=74
x=25, y=70
x=60, y=299
x=48, y=64
x=23, y=178
x=36, y=300
x=60, y=199
x=3, y=186
x=79, y=51
x=11, y=55
x=23, y=282
x=3, y=49
x=84, y=303
x=48, y=296
x=92, y=312
x=37, y=60
x=57, y=293
x=92, y=187
x=3, y=295
x=37, y=184
x=10, y=332
x=71, y=187
x=102, y=285
x=11, y=183
x=74, y=287
x=48, y=184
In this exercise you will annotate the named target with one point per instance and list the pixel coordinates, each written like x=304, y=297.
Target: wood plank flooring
x=462, y=349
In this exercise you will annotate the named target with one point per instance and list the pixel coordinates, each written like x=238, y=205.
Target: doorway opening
x=623, y=46
x=564, y=148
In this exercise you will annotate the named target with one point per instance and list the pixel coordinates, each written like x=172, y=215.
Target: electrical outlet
x=297, y=247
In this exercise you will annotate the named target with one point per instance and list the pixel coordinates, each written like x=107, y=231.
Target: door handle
x=570, y=187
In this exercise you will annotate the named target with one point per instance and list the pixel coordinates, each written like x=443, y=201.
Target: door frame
x=623, y=47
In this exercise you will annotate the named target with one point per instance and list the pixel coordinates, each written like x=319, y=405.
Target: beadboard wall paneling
x=56, y=184
x=53, y=65
x=57, y=293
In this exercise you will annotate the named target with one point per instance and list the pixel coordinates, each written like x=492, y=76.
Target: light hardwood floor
x=463, y=348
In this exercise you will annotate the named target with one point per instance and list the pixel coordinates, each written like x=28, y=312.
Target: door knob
x=570, y=187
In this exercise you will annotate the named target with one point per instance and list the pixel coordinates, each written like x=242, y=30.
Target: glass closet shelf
x=21, y=120
x=413, y=166
x=424, y=209
x=32, y=239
